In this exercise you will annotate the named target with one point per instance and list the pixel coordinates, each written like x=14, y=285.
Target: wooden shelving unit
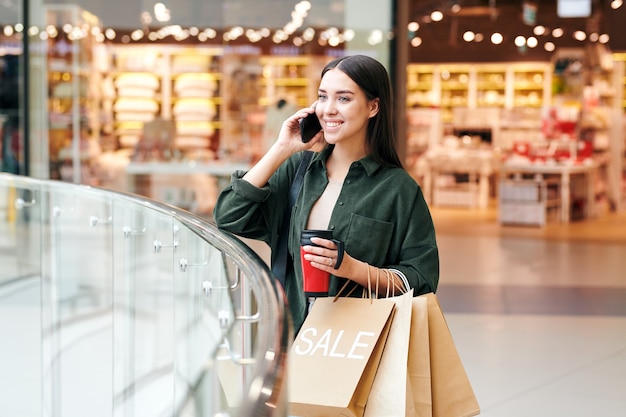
x=173, y=83
x=499, y=85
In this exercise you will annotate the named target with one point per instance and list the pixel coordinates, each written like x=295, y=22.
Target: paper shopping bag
x=452, y=393
x=388, y=396
x=418, y=367
x=334, y=358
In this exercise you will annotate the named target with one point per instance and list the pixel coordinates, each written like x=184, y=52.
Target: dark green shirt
x=380, y=215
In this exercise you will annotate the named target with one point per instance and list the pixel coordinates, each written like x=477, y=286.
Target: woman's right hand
x=289, y=135
x=288, y=142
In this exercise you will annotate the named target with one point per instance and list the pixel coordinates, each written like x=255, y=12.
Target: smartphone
x=309, y=127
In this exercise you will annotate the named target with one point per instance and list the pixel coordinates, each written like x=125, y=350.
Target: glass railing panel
x=124, y=307
x=205, y=313
x=19, y=211
x=147, y=242
x=77, y=288
x=20, y=297
x=244, y=361
x=172, y=308
x=252, y=352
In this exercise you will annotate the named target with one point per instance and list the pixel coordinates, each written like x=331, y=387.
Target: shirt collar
x=369, y=165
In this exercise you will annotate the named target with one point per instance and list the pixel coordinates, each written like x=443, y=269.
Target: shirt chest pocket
x=369, y=239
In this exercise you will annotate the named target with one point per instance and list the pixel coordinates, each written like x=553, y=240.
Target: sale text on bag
x=333, y=345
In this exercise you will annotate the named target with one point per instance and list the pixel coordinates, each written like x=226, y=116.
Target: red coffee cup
x=316, y=281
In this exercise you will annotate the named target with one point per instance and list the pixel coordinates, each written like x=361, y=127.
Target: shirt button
x=341, y=203
x=348, y=181
x=332, y=227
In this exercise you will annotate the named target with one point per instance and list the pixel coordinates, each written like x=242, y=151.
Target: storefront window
x=11, y=137
x=118, y=85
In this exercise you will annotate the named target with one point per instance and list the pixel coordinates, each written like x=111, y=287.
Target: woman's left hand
x=325, y=256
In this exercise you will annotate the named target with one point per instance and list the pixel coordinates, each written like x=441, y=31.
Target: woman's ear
x=374, y=107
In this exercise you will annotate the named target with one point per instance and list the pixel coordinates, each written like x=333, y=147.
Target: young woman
x=355, y=186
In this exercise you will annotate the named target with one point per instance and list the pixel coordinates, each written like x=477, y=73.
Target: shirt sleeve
x=254, y=212
x=418, y=257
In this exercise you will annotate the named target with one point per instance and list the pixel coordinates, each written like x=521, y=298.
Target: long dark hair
x=372, y=77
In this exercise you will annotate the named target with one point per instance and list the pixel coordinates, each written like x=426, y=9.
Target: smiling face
x=343, y=109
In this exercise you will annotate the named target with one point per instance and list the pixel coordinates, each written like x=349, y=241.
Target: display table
x=564, y=173
x=190, y=185
x=215, y=168
x=478, y=164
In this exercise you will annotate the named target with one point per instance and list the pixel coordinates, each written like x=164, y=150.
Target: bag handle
x=367, y=292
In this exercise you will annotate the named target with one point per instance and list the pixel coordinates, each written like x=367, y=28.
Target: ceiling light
x=532, y=42
x=557, y=32
x=161, y=12
x=52, y=31
x=616, y=4
x=146, y=18
x=303, y=6
x=520, y=41
x=593, y=37
x=579, y=35
x=497, y=38
x=539, y=30
x=469, y=36
x=308, y=34
x=375, y=37
x=137, y=34
x=236, y=32
x=457, y=8
x=416, y=41
x=254, y=36
x=413, y=26
x=436, y=16
x=478, y=37
x=604, y=38
x=549, y=46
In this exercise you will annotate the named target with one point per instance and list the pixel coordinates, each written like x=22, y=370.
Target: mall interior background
x=102, y=78
x=534, y=299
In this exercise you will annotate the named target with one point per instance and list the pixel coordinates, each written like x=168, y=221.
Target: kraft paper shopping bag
x=419, y=359
x=335, y=356
x=452, y=393
x=388, y=396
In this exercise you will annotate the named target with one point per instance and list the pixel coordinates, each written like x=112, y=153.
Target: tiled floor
x=538, y=314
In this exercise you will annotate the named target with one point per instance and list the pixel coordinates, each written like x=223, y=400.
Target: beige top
x=319, y=218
